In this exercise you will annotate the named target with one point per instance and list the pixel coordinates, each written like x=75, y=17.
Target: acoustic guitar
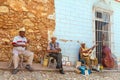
x=89, y=50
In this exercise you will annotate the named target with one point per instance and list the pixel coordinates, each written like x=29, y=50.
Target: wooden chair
x=51, y=61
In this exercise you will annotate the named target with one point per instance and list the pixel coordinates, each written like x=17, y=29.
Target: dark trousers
x=58, y=57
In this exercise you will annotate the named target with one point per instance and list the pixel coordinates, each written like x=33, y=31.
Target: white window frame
x=111, y=43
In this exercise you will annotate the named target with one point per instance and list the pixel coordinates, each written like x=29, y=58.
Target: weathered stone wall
x=37, y=16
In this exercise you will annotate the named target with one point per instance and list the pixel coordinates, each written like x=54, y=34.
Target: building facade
x=71, y=21
x=89, y=21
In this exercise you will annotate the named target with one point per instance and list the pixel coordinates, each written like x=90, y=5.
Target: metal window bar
x=101, y=29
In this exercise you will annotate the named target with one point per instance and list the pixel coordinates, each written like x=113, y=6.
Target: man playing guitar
x=84, y=53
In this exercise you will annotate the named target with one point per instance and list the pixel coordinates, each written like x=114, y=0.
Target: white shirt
x=19, y=40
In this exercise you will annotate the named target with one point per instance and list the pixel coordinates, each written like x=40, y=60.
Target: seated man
x=19, y=47
x=85, y=52
x=54, y=51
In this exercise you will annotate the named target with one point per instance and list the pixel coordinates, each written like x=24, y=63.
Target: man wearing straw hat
x=85, y=53
x=19, y=47
x=55, y=51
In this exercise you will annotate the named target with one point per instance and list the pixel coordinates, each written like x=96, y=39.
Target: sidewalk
x=36, y=67
x=45, y=73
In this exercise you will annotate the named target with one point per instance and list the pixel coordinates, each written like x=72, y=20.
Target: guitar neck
x=94, y=46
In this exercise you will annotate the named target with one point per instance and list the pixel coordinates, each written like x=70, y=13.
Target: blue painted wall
x=74, y=25
x=116, y=28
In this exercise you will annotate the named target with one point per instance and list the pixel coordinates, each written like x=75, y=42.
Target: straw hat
x=82, y=43
x=53, y=37
x=22, y=29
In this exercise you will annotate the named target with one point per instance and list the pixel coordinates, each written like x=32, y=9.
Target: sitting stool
x=52, y=62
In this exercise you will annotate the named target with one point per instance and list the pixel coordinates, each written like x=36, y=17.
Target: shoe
x=57, y=67
x=62, y=72
x=15, y=71
x=29, y=68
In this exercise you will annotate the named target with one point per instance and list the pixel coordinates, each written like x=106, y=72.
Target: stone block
x=4, y=9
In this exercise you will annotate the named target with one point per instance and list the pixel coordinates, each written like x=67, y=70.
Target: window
x=102, y=32
x=98, y=15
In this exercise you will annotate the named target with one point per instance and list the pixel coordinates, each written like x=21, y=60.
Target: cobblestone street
x=48, y=75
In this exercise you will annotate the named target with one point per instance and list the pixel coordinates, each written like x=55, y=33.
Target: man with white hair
x=19, y=47
x=85, y=53
x=55, y=51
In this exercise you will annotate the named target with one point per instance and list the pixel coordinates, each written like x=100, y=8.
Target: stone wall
x=37, y=16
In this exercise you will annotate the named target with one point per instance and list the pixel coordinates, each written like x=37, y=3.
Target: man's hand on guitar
x=89, y=51
x=94, y=46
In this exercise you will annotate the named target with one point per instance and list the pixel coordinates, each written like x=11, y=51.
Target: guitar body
x=88, y=53
x=108, y=60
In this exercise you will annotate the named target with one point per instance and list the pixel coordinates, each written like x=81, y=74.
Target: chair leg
x=50, y=64
x=10, y=63
x=21, y=62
